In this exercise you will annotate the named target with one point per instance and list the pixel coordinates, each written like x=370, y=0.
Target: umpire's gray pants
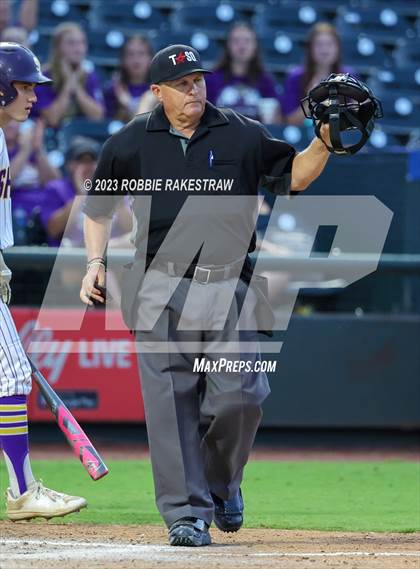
x=186, y=467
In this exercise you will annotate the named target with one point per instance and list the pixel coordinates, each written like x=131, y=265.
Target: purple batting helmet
x=17, y=63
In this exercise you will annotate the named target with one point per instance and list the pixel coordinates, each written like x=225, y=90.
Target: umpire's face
x=184, y=98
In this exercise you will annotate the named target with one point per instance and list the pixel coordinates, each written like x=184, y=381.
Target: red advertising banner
x=93, y=370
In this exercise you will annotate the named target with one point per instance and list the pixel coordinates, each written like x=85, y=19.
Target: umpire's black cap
x=174, y=62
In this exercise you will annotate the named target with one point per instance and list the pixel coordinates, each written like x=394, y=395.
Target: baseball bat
x=73, y=432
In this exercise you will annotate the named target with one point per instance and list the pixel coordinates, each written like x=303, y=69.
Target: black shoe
x=189, y=532
x=228, y=514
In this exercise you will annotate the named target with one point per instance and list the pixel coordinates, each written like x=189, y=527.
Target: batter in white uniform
x=27, y=498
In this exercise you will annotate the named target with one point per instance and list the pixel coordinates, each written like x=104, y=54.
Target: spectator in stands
x=122, y=94
x=62, y=214
x=30, y=170
x=28, y=14
x=240, y=81
x=75, y=91
x=5, y=14
x=23, y=13
x=322, y=57
x=147, y=102
x=15, y=34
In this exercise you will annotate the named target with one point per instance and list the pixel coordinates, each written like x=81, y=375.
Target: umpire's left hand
x=89, y=294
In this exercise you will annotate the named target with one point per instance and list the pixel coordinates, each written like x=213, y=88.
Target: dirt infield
x=44, y=545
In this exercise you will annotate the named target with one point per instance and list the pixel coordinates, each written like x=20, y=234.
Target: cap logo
x=182, y=57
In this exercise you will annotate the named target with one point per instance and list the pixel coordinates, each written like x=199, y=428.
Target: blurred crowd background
x=265, y=55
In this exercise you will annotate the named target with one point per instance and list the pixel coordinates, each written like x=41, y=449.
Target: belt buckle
x=197, y=279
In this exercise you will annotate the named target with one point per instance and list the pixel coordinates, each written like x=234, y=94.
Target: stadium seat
x=397, y=81
x=79, y=3
x=164, y=6
x=55, y=12
x=383, y=25
x=408, y=9
x=363, y=54
x=40, y=43
x=401, y=114
x=105, y=46
x=99, y=130
x=299, y=137
x=382, y=141
x=212, y=19
x=280, y=52
x=209, y=48
x=295, y=20
x=126, y=15
x=407, y=52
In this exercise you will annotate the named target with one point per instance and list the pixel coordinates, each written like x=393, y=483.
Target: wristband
x=96, y=261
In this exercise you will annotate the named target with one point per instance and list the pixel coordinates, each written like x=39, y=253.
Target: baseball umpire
x=196, y=260
x=27, y=498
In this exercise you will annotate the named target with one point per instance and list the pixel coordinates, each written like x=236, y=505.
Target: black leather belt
x=200, y=273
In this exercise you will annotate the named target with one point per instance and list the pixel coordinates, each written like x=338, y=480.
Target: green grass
x=344, y=496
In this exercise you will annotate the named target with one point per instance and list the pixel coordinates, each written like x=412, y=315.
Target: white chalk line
x=81, y=549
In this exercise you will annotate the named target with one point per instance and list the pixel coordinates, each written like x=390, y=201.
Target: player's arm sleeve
x=275, y=159
x=103, y=198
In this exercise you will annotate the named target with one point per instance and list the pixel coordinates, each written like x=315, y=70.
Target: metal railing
x=332, y=272
x=44, y=257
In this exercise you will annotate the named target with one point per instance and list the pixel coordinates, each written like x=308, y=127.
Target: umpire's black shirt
x=228, y=156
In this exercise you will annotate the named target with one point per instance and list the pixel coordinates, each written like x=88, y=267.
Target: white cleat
x=41, y=502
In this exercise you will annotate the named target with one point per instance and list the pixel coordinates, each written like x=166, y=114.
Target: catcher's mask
x=346, y=104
